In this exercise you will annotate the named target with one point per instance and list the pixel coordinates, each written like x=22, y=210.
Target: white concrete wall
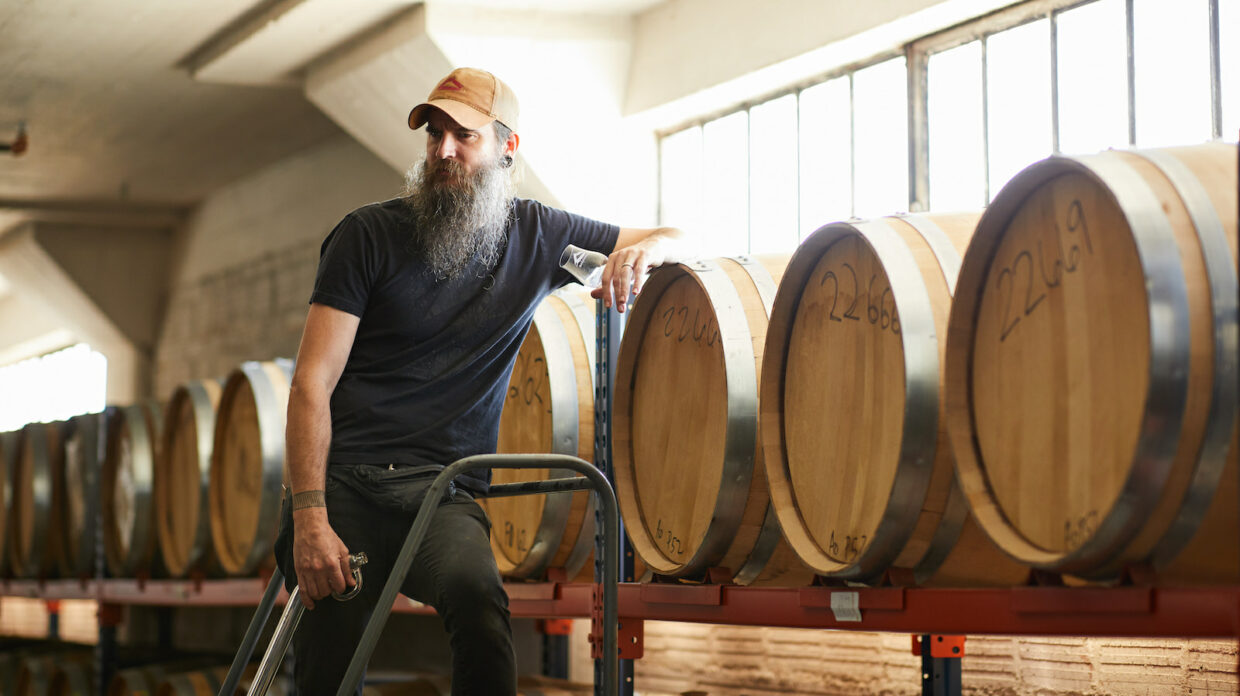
x=244, y=265
x=296, y=200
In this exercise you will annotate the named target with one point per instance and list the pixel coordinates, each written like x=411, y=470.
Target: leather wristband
x=309, y=499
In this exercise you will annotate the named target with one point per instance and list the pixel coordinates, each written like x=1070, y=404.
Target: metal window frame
x=917, y=54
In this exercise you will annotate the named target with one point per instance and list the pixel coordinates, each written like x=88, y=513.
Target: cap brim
x=461, y=113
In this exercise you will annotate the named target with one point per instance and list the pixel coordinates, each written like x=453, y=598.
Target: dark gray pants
x=371, y=509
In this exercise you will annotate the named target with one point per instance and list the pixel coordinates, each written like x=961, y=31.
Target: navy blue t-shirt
x=428, y=371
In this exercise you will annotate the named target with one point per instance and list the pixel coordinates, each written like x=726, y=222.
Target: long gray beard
x=458, y=220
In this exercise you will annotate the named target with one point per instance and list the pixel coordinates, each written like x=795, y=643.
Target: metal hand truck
x=592, y=479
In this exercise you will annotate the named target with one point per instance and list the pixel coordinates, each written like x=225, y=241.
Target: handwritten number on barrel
x=849, y=313
x=1062, y=264
x=670, y=541
x=835, y=295
x=529, y=389
x=1077, y=532
x=871, y=310
x=698, y=331
x=853, y=546
x=1076, y=219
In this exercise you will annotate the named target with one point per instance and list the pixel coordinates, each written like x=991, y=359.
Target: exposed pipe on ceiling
x=19, y=144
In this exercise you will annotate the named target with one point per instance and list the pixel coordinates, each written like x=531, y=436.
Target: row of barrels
x=179, y=489
x=51, y=668
x=920, y=399
x=944, y=400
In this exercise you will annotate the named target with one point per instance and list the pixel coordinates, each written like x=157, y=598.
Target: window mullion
x=917, y=64
x=1216, y=78
x=1130, y=33
x=852, y=146
x=985, y=128
x=1054, y=19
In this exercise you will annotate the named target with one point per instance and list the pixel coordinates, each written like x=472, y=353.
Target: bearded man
x=419, y=309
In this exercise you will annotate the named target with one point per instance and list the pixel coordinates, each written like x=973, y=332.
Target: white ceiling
x=118, y=127
x=112, y=120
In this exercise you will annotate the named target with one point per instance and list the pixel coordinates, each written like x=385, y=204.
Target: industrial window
x=53, y=387
x=946, y=125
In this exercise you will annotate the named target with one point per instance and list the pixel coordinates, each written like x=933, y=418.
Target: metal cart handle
x=593, y=478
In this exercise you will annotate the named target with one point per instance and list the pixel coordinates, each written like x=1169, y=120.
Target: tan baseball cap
x=473, y=98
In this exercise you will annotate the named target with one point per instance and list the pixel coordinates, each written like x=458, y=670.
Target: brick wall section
x=254, y=310
x=764, y=661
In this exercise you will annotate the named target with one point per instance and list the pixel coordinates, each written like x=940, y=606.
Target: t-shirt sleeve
x=561, y=228
x=347, y=263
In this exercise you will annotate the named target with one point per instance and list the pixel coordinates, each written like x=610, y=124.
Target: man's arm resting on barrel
x=637, y=251
x=319, y=557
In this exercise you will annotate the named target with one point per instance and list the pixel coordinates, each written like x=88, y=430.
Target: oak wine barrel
x=72, y=679
x=144, y=680
x=202, y=682
x=136, y=681
x=10, y=443
x=182, y=505
x=549, y=409
x=537, y=685
x=37, y=548
x=247, y=465
x=860, y=471
x=421, y=685
x=1092, y=363
x=85, y=449
x=128, y=489
x=36, y=673
x=14, y=652
x=688, y=463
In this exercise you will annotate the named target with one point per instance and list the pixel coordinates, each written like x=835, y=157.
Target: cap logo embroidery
x=450, y=85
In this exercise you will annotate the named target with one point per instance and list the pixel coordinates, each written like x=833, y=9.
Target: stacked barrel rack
x=1015, y=422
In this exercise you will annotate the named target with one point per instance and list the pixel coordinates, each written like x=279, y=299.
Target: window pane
x=53, y=387
x=680, y=176
x=1018, y=91
x=725, y=196
x=826, y=155
x=1229, y=48
x=954, y=91
x=880, y=105
x=1093, y=82
x=773, y=176
x=1171, y=51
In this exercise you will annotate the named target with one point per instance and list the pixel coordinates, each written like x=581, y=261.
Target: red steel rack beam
x=1126, y=611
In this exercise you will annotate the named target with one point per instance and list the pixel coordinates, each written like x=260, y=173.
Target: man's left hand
x=626, y=270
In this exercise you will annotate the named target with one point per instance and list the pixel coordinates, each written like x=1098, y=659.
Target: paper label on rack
x=846, y=606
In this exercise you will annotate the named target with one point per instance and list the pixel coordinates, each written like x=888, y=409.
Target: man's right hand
x=319, y=556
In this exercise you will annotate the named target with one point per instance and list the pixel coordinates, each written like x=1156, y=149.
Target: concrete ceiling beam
x=138, y=216
x=270, y=44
